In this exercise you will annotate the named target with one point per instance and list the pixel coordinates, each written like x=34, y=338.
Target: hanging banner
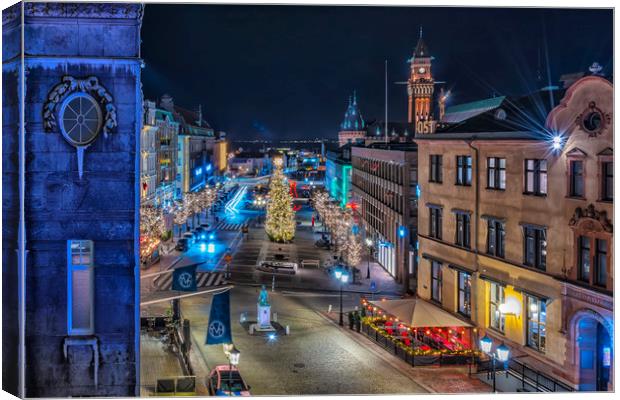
x=184, y=278
x=219, y=320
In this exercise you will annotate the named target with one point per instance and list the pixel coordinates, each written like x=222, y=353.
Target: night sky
x=286, y=72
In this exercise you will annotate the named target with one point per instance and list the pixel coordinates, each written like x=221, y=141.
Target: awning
x=418, y=313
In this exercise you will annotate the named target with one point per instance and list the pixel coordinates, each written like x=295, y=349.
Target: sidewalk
x=156, y=362
x=435, y=379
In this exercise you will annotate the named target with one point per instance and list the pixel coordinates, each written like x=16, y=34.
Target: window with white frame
x=536, y=177
x=80, y=287
x=496, y=173
x=464, y=299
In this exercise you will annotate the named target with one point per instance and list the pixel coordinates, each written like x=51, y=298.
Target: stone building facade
x=384, y=182
x=515, y=231
x=71, y=199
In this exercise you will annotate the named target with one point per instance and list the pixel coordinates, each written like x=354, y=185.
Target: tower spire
x=354, y=98
x=420, y=31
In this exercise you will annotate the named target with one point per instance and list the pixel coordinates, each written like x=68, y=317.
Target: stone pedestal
x=263, y=317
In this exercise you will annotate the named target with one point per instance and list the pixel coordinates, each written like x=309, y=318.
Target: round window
x=80, y=119
x=592, y=121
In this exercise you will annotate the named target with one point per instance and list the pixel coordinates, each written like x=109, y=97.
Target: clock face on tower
x=421, y=70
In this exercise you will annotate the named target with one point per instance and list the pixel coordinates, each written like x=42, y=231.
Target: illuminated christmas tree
x=280, y=222
x=354, y=251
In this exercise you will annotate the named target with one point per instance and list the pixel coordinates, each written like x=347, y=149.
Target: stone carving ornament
x=80, y=109
x=593, y=120
x=592, y=215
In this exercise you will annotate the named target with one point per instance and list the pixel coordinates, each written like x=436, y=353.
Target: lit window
x=536, y=177
x=464, y=293
x=496, y=173
x=80, y=287
x=497, y=319
x=536, y=323
x=463, y=170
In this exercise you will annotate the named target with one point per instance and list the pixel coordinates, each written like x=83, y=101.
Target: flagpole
x=386, y=103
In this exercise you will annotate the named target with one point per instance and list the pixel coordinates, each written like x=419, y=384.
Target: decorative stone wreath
x=70, y=85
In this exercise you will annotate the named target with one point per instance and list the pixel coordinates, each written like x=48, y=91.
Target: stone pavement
x=316, y=358
x=435, y=379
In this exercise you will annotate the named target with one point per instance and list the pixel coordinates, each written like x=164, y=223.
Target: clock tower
x=420, y=87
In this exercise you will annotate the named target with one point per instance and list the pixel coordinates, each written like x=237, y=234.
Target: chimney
x=166, y=102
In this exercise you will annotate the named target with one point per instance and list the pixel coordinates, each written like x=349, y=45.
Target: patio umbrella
x=418, y=313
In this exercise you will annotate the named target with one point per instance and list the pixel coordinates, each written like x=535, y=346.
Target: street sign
x=373, y=286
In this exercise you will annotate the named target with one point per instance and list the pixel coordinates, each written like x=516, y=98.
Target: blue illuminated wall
x=77, y=40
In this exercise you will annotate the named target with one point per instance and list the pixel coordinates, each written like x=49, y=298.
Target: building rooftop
x=353, y=120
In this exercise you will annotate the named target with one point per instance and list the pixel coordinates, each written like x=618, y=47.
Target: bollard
x=329, y=309
x=275, y=317
x=252, y=329
x=288, y=331
x=242, y=317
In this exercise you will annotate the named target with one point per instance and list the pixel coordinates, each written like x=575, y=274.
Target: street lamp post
x=369, y=245
x=502, y=353
x=233, y=360
x=342, y=277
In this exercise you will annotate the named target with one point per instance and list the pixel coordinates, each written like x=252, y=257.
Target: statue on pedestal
x=263, y=312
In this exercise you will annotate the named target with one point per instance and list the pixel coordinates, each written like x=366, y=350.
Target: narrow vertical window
x=576, y=178
x=607, y=183
x=535, y=247
x=600, y=261
x=536, y=177
x=435, y=221
x=536, y=323
x=80, y=287
x=462, y=229
x=435, y=171
x=463, y=170
x=584, y=259
x=464, y=294
x=436, y=281
x=496, y=297
x=496, y=173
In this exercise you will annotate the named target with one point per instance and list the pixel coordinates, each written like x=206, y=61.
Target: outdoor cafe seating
x=420, y=325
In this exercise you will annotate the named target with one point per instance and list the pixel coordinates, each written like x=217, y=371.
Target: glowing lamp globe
x=503, y=352
x=338, y=274
x=234, y=356
x=344, y=278
x=485, y=344
x=368, y=242
x=556, y=142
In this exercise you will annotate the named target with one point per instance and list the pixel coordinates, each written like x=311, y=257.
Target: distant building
x=253, y=163
x=384, y=182
x=167, y=154
x=148, y=155
x=353, y=126
x=195, y=138
x=338, y=174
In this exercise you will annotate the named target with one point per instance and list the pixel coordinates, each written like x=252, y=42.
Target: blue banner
x=184, y=278
x=219, y=320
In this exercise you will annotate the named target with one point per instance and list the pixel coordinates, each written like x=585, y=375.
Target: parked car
x=224, y=381
x=191, y=239
x=182, y=245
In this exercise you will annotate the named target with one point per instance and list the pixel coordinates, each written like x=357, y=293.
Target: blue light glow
x=203, y=247
x=418, y=191
x=272, y=336
x=211, y=236
x=198, y=171
x=402, y=231
x=211, y=248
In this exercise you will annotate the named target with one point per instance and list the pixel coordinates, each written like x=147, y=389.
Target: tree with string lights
x=353, y=251
x=280, y=220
